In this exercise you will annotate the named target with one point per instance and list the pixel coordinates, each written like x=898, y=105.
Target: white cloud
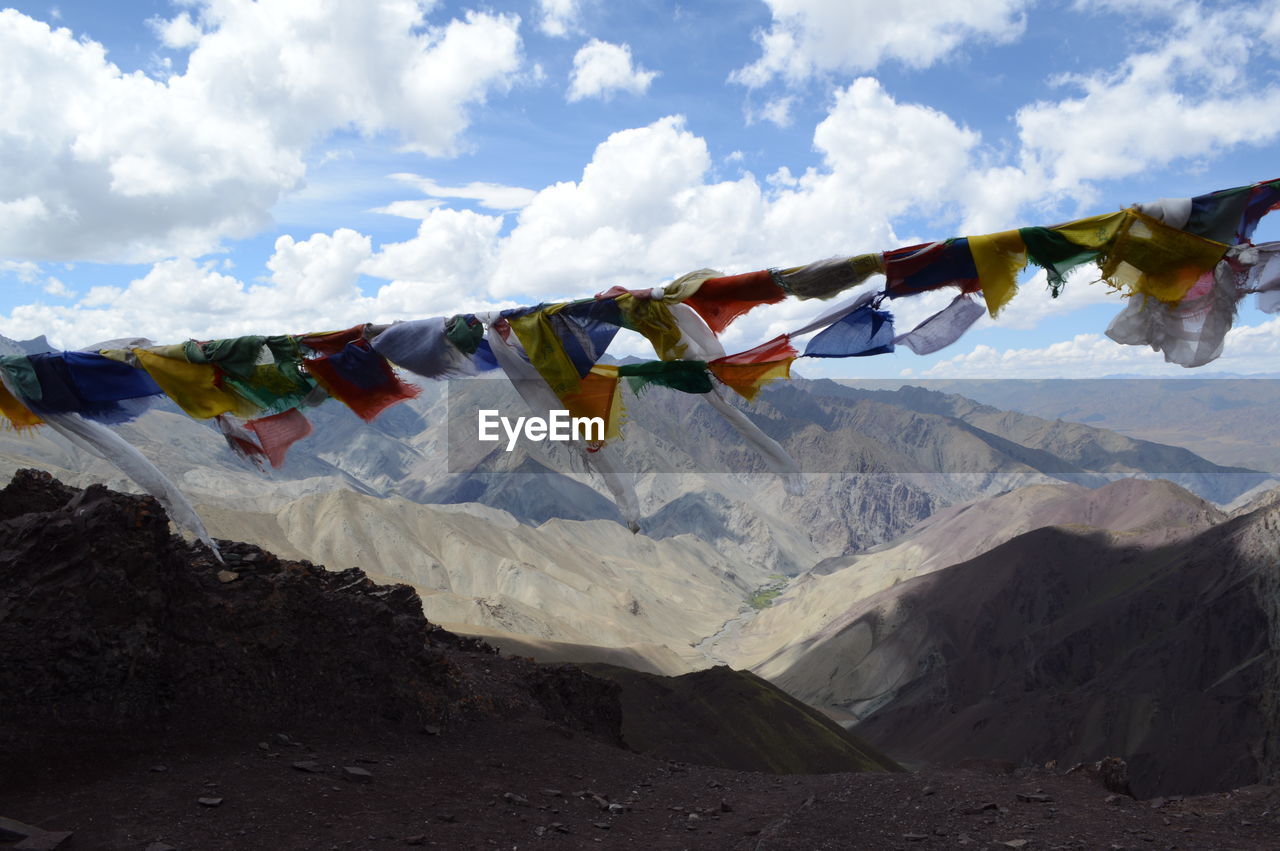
x=418, y=208
x=177, y=32
x=809, y=37
x=493, y=196
x=23, y=270
x=777, y=111
x=122, y=167
x=646, y=209
x=322, y=268
x=1189, y=96
x=54, y=287
x=641, y=209
x=601, y=68
x=558, y=18
x=453, y=251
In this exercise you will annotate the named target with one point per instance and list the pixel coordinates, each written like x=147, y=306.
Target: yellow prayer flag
x=1149, y=257
x=998, y=257
x=18, y=414
x=191, y=385
x=1095, y=232
x=544, y=349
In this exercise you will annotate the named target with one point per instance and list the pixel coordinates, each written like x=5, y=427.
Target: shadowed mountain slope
x=1067, y=644
x=1148, y=511
x=683, y=718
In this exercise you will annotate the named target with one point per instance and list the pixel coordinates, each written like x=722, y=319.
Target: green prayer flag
x=687, y=376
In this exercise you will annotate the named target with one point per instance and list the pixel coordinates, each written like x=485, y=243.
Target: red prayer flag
x=719, y=301
x=361, y=379
x=779, y=348
x=278, y=432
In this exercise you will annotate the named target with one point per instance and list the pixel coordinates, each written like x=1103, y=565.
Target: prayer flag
x=866, y=331
x=921, y=268
x=192, y=386
x=278, y=432
x=361, y=379
x=719, y=301
x=998, y=257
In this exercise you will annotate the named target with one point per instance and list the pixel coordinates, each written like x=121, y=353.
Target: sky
x=211, y=168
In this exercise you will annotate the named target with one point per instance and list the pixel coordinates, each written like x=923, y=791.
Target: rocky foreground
x=156, y=698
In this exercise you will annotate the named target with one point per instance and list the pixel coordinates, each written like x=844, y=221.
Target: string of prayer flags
x=863, y=332
x=360, y=378
x=719, y=301
x=1182, y=263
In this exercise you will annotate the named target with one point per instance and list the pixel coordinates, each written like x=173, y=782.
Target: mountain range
x=959, y=580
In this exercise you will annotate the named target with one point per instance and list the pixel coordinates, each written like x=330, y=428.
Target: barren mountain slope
x=1154, y=511
x=583, y=582
x=1064, y=644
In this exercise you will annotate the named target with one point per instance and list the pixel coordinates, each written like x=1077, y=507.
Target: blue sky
x=209, y=168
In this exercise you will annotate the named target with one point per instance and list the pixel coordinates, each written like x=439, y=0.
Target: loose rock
x=356, y=774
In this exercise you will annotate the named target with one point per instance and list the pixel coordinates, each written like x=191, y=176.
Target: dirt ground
x=533, y=784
